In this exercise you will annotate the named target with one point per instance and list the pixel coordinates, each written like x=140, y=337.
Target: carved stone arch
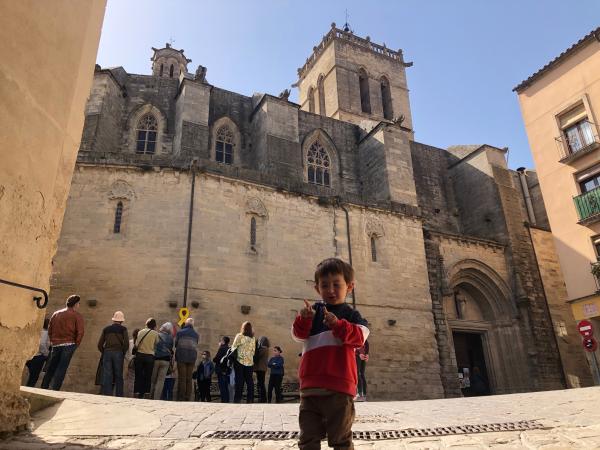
x=132, y=123
x=319, y=135
x=364, y=90
x=121, y=190
x=237, y=138
x=489, y=283
x=321, y=93
x=255, y=206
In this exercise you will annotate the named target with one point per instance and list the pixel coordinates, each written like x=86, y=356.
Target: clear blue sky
x=468, y=55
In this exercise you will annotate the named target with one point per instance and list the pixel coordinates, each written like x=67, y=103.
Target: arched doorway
x=488, y=352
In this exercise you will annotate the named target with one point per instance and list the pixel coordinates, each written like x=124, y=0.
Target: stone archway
x=483, y=329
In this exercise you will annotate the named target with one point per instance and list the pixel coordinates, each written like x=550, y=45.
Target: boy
x=276, y=376
x=330, y=331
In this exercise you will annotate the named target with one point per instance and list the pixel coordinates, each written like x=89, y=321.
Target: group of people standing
x=147, y=365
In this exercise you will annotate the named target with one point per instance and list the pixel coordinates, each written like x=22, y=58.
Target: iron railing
x=588, y=205
x=577, y=140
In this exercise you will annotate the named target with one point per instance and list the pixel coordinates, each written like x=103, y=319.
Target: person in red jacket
x=65, y=331
x=330, y=331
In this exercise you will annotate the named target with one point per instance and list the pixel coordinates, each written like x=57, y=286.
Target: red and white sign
x=590, y=344
x=585, y=328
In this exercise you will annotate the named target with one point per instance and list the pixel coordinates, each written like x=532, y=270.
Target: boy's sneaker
x=361, y=398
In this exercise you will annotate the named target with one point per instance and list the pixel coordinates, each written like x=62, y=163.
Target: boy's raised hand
x=330, y=319
x=307, y=312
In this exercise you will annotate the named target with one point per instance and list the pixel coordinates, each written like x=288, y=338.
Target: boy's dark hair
x=334, y=266
x=151, y=324
x=278, y=348
x=226, y=340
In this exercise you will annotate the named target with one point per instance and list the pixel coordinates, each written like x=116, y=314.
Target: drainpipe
x=343, y=208
x=189, y=236
x=526, y=196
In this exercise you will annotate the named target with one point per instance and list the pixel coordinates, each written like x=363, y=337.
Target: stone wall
x=51, y=49
x=141, y=270
x=574, y=361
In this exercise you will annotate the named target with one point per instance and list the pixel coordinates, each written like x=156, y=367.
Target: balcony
x=577, y=141
x=588, y=206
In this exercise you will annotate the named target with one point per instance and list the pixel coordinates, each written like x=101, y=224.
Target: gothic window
x=386, y=99
x=365, y=100
x=321, y=92
x=311, y=100
x=224, y=145
x=118, y=217
x=373, y=249
x=253, y=233
x=318, y=165
x=171, y=71
x=146, y=132
x=162, y=67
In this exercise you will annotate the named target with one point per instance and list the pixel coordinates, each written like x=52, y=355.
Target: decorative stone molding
x=255, y=206
x=374, y=228
x=121, y=190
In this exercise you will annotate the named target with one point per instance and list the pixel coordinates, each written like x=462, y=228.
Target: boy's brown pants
x=326, y=415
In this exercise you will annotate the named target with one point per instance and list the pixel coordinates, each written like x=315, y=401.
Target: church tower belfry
x=355, y=80
x=168, y=62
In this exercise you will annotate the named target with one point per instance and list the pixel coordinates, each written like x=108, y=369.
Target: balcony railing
x=588, y=206
x=577, y=140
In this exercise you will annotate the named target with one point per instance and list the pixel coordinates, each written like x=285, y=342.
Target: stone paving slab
x=571, y=420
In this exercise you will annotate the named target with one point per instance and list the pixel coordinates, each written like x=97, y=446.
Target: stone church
x=185, y=193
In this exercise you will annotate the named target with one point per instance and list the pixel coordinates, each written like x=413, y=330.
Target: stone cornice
x=349, y=38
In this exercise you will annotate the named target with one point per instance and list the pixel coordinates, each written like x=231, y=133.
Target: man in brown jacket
x=65, y=332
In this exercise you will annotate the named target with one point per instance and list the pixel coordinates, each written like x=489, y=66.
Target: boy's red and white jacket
x=328, y=359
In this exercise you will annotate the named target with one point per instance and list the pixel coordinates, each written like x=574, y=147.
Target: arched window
x=386, y=99
x=253, y=233
x=146, y=132
x=321, y=91
x=365, y=100
x=171, y=71
x=118, y=217
x=373, y=249
x=162, y=67
x=311, y=100
x=318, y=165
x=224, y=145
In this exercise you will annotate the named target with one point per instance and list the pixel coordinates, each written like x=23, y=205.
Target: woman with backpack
x=222, y=369
x=244, y=345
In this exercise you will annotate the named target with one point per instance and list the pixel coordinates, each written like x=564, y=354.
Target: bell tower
x=353, y=79
x=168, y=62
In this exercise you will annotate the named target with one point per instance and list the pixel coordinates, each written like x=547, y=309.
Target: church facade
x=186, y=193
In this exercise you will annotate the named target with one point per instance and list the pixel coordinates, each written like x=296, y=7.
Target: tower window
x=118, y=217
x=365, y=100
x=162, y=67
x=146, y=131
x=311, y=100
x=253, y=233
x=373, y=249
x=318, y=165
x=224, y=145
x=386, y=99
x=171, y=71
x=321, y=92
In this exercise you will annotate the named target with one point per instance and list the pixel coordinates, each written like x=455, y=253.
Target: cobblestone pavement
x=569, y=419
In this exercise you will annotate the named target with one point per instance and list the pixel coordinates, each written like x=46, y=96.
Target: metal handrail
x=37, y=300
